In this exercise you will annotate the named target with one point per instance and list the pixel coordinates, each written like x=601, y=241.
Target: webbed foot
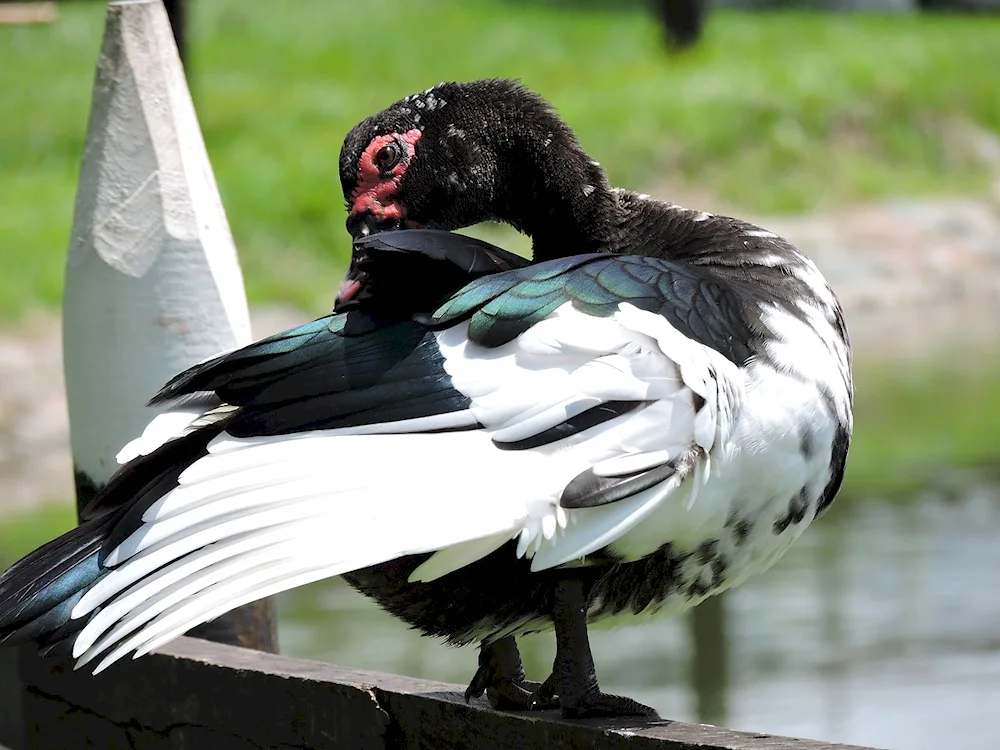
x=501, y=677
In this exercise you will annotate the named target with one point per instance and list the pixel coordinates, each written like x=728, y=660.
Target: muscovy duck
x=649, y=412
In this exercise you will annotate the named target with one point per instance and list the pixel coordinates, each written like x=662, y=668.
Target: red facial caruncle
x=376, y=187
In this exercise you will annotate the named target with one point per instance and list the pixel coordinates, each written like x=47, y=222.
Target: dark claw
x=546, y=695
x=511, y=696
x=501, y=677
x=607, y=706
x=480, y=680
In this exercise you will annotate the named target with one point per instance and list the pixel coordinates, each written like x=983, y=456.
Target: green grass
x=773, y=112
x=24, y=531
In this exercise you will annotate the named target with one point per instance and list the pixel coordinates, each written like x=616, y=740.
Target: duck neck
x=554, y=192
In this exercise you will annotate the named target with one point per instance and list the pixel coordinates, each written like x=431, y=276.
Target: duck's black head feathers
x=461, y=153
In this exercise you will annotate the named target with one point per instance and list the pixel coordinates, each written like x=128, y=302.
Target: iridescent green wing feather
x=503, y=306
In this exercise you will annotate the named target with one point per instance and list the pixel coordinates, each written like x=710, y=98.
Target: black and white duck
x=650, y=411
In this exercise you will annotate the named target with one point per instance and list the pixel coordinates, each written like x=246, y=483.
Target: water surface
x=880, y=627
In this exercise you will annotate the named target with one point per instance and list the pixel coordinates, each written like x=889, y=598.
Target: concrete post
x=153, y=283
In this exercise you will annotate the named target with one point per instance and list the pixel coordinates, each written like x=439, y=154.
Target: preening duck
x=651, y=410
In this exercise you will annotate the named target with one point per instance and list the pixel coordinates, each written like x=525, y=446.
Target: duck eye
x=387, y=157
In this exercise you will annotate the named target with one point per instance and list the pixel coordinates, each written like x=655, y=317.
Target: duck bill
x=348, y=289
x=352, y=289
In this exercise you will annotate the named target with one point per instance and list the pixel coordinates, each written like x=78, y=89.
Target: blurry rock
x=35, y=463
x=915, y=278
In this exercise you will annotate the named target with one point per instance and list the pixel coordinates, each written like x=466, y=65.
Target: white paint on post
x=153, y=283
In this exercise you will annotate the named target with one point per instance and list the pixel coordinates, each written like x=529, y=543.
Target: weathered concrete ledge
x=199, y=695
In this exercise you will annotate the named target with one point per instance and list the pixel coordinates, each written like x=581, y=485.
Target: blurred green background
x=770, y=112
x=886, y=614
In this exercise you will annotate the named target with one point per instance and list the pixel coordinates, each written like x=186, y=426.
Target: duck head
x=459, y=154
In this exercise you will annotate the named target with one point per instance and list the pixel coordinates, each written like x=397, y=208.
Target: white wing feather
x=261, y=515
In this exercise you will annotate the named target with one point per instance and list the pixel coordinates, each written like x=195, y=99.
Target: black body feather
x=499, y=591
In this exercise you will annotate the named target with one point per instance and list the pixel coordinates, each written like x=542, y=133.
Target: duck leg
x=573, y=674
x=501, y=677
